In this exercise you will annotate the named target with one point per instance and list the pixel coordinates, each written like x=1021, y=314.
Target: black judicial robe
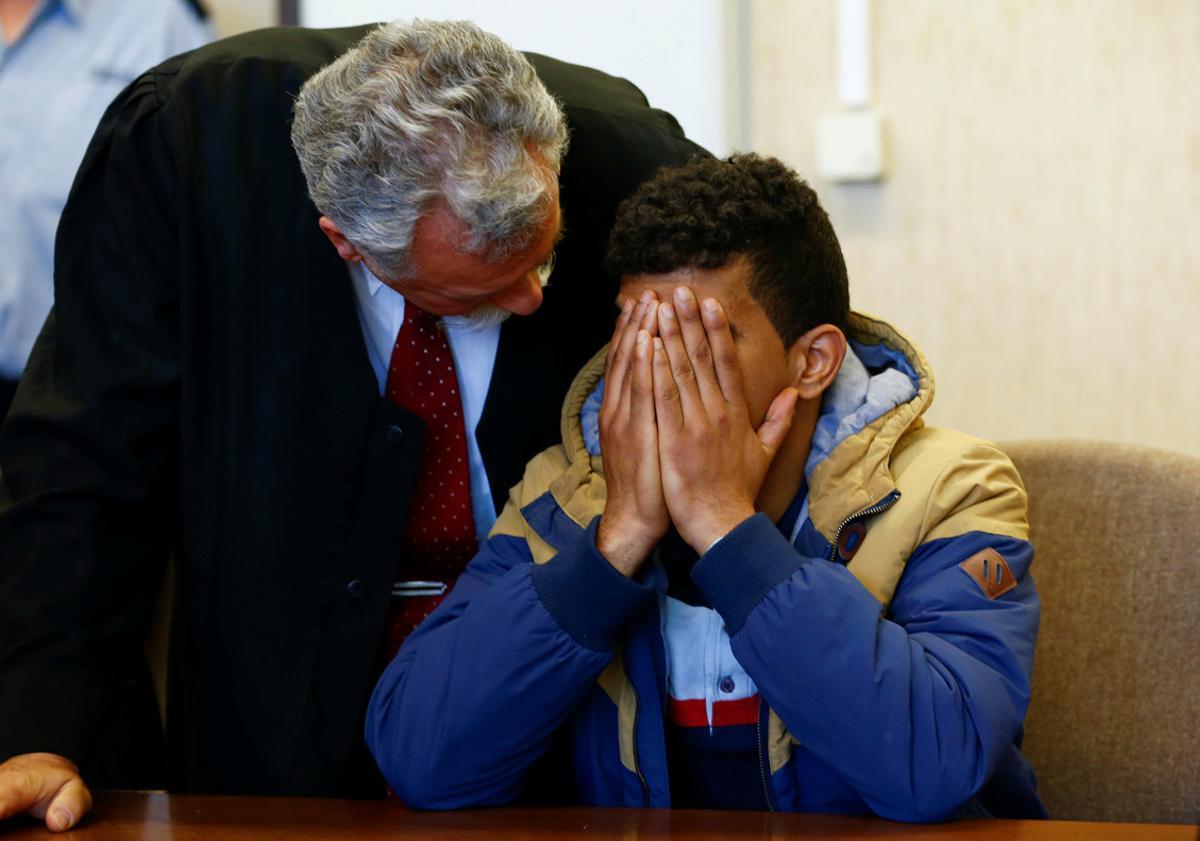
x=202, y=391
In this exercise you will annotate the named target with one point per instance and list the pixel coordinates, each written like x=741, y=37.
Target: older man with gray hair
x=442, y=123
x=317, y=435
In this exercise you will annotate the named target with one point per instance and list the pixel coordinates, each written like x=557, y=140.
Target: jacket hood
x=880, y=393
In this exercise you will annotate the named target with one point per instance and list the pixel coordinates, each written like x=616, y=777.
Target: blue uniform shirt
x=56, y=80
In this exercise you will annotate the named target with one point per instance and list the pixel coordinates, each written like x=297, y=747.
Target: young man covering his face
x=750, y=576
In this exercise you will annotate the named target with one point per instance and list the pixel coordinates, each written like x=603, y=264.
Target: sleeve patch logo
x=990, y=571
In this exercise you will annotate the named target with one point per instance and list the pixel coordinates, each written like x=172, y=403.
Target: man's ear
x=345, y=248
x=815, y=359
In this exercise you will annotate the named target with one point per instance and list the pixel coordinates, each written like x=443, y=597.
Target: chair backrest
x=1113, y=729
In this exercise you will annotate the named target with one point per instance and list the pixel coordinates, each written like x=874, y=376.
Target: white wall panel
x=681, y=53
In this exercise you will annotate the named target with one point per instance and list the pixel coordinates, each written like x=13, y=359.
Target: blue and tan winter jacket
x=890, y=640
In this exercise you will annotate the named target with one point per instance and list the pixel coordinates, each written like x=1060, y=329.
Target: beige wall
x=230, y=17
x=1039, y=233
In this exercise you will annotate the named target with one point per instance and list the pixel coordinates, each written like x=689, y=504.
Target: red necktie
x=439, y=535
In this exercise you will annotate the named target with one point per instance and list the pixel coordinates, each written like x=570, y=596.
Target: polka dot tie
x=439, y=535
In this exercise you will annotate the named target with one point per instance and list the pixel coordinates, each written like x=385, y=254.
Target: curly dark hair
x=709, y=211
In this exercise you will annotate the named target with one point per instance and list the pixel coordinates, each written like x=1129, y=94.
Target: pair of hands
x=44, y=786
x=678, y=441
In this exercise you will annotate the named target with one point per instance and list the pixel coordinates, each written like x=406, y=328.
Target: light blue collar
x=73, y=9
x=859, y=397
x=77, y=9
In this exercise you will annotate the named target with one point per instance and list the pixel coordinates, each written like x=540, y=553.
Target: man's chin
x=483, y=317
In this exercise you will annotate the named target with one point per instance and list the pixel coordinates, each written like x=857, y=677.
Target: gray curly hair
x=425, y=111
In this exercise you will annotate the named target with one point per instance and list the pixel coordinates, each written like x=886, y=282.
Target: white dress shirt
x=381, y=313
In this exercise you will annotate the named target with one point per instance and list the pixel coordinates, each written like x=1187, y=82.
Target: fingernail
x=627, y=307
x=711, y=305
x=658, y=345
x=61, y=819
x=682, y=293
x=641, y=338
x=647, y=296
x=667, y=310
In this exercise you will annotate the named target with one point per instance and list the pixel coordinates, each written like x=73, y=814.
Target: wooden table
x=187, y=817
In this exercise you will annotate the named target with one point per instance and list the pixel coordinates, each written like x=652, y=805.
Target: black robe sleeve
x=87, y=454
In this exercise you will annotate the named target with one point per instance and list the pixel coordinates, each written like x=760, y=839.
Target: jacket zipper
x=762, y=765
x=878, y=508
x=637, y=765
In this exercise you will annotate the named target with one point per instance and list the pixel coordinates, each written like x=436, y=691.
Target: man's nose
x=523, y=297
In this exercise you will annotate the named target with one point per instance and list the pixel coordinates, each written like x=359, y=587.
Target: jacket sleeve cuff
x=586, y=595
x=743, y=566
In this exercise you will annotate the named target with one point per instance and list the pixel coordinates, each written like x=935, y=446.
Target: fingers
x=647, y=321
x=681, y=370
x=43, y=785
x=724, y=354
x=620, y=351
x=641, y=388
x=699, y=352
x=650, y=316
x=779, y=420
x=22, y=780
x=618, y=331
x=68, y=806
x=667, y=407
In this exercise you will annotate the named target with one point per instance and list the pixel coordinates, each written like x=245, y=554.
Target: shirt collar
x=373, y=283
x=77, y=9
x=73, y=8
